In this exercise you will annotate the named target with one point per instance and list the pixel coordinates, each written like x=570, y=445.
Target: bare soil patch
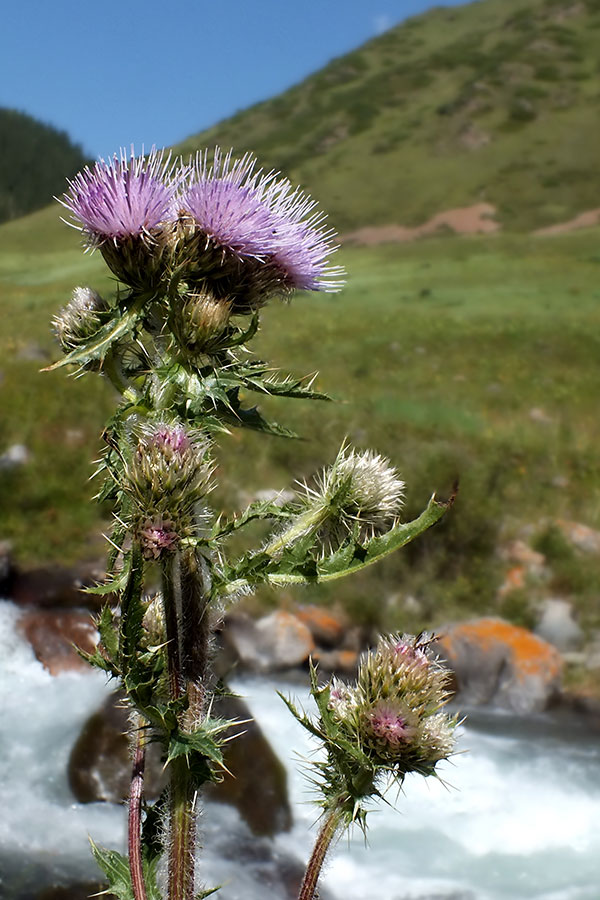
x=476, y=219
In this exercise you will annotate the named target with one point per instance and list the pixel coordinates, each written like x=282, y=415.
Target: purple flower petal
x=124, y=197
x=257, y=215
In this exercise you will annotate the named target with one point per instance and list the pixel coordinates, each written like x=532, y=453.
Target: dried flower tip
x=157, y=536
x=80, y=319
x=342, y=700
x=154, y=621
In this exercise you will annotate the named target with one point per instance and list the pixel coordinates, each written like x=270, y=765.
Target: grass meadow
x=473, y=358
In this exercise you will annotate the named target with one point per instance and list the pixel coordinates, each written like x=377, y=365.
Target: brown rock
x=344, y=661
x=100, y=765
x=326, y=626
x=57, y=586
x=54, y=634
x=277, y=641
x=257, y=786
x=502, y=664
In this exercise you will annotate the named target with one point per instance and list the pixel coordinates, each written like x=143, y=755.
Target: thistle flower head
x=262, y=234
x=80, y=318
x=359, y=491
x=389, y=726
x=395, y=713
x=125, y=197
x=170, y=468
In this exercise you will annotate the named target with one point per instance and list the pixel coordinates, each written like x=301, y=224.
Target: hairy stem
x=182, y=832
x=184, y=583
x=134, y=830
x=329, y=829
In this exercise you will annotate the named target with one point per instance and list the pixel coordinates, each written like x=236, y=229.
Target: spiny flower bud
x=170, y=468
x=360, y=490
x=201, y=321
x=154, y=622
x=80, y=319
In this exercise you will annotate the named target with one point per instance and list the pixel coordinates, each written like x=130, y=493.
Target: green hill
x=498, y=100
x=35, y=159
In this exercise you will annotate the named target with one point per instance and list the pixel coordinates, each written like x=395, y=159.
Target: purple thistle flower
x=124, y=197
x=258, y=216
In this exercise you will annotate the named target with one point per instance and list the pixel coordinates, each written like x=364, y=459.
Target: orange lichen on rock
x=325, y=625
x=530, y=655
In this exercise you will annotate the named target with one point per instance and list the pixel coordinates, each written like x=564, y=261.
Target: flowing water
x=518, y=816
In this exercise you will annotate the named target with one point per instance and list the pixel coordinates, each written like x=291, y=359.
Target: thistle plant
x=198, y=248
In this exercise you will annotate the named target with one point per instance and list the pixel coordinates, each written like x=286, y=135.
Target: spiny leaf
x=207, y=892
x=116, y=868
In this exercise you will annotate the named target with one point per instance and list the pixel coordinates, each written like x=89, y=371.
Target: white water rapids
x=520, y=819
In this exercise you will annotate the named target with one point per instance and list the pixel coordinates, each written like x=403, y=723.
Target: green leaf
x=108, y=632
x=207, y=892
x=264, y=509
x=116, y=868
x=292, y=567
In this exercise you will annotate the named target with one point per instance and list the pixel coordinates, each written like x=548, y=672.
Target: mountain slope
x=495, y=101
x=35, y=159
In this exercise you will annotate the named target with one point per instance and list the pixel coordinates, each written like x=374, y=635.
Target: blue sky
x=152, y=72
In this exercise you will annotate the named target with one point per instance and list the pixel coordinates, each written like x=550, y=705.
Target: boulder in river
x=54, y=634
x=497, y=663
x=277, y=641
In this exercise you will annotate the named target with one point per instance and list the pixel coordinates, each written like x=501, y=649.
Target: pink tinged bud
x=171, y=439
x=158, y=536
x=409, y=653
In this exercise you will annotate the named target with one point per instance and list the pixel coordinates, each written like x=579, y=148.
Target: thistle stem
x=187, y=648
x=329, y=829
x=135, y=811
x=183, y=832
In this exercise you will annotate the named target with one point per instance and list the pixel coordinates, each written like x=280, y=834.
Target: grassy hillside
x=35, y=159
x=498, y=100
x=468, y=357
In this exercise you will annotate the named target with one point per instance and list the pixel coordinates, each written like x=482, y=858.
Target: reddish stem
x=325, y=837
x=135, y=814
